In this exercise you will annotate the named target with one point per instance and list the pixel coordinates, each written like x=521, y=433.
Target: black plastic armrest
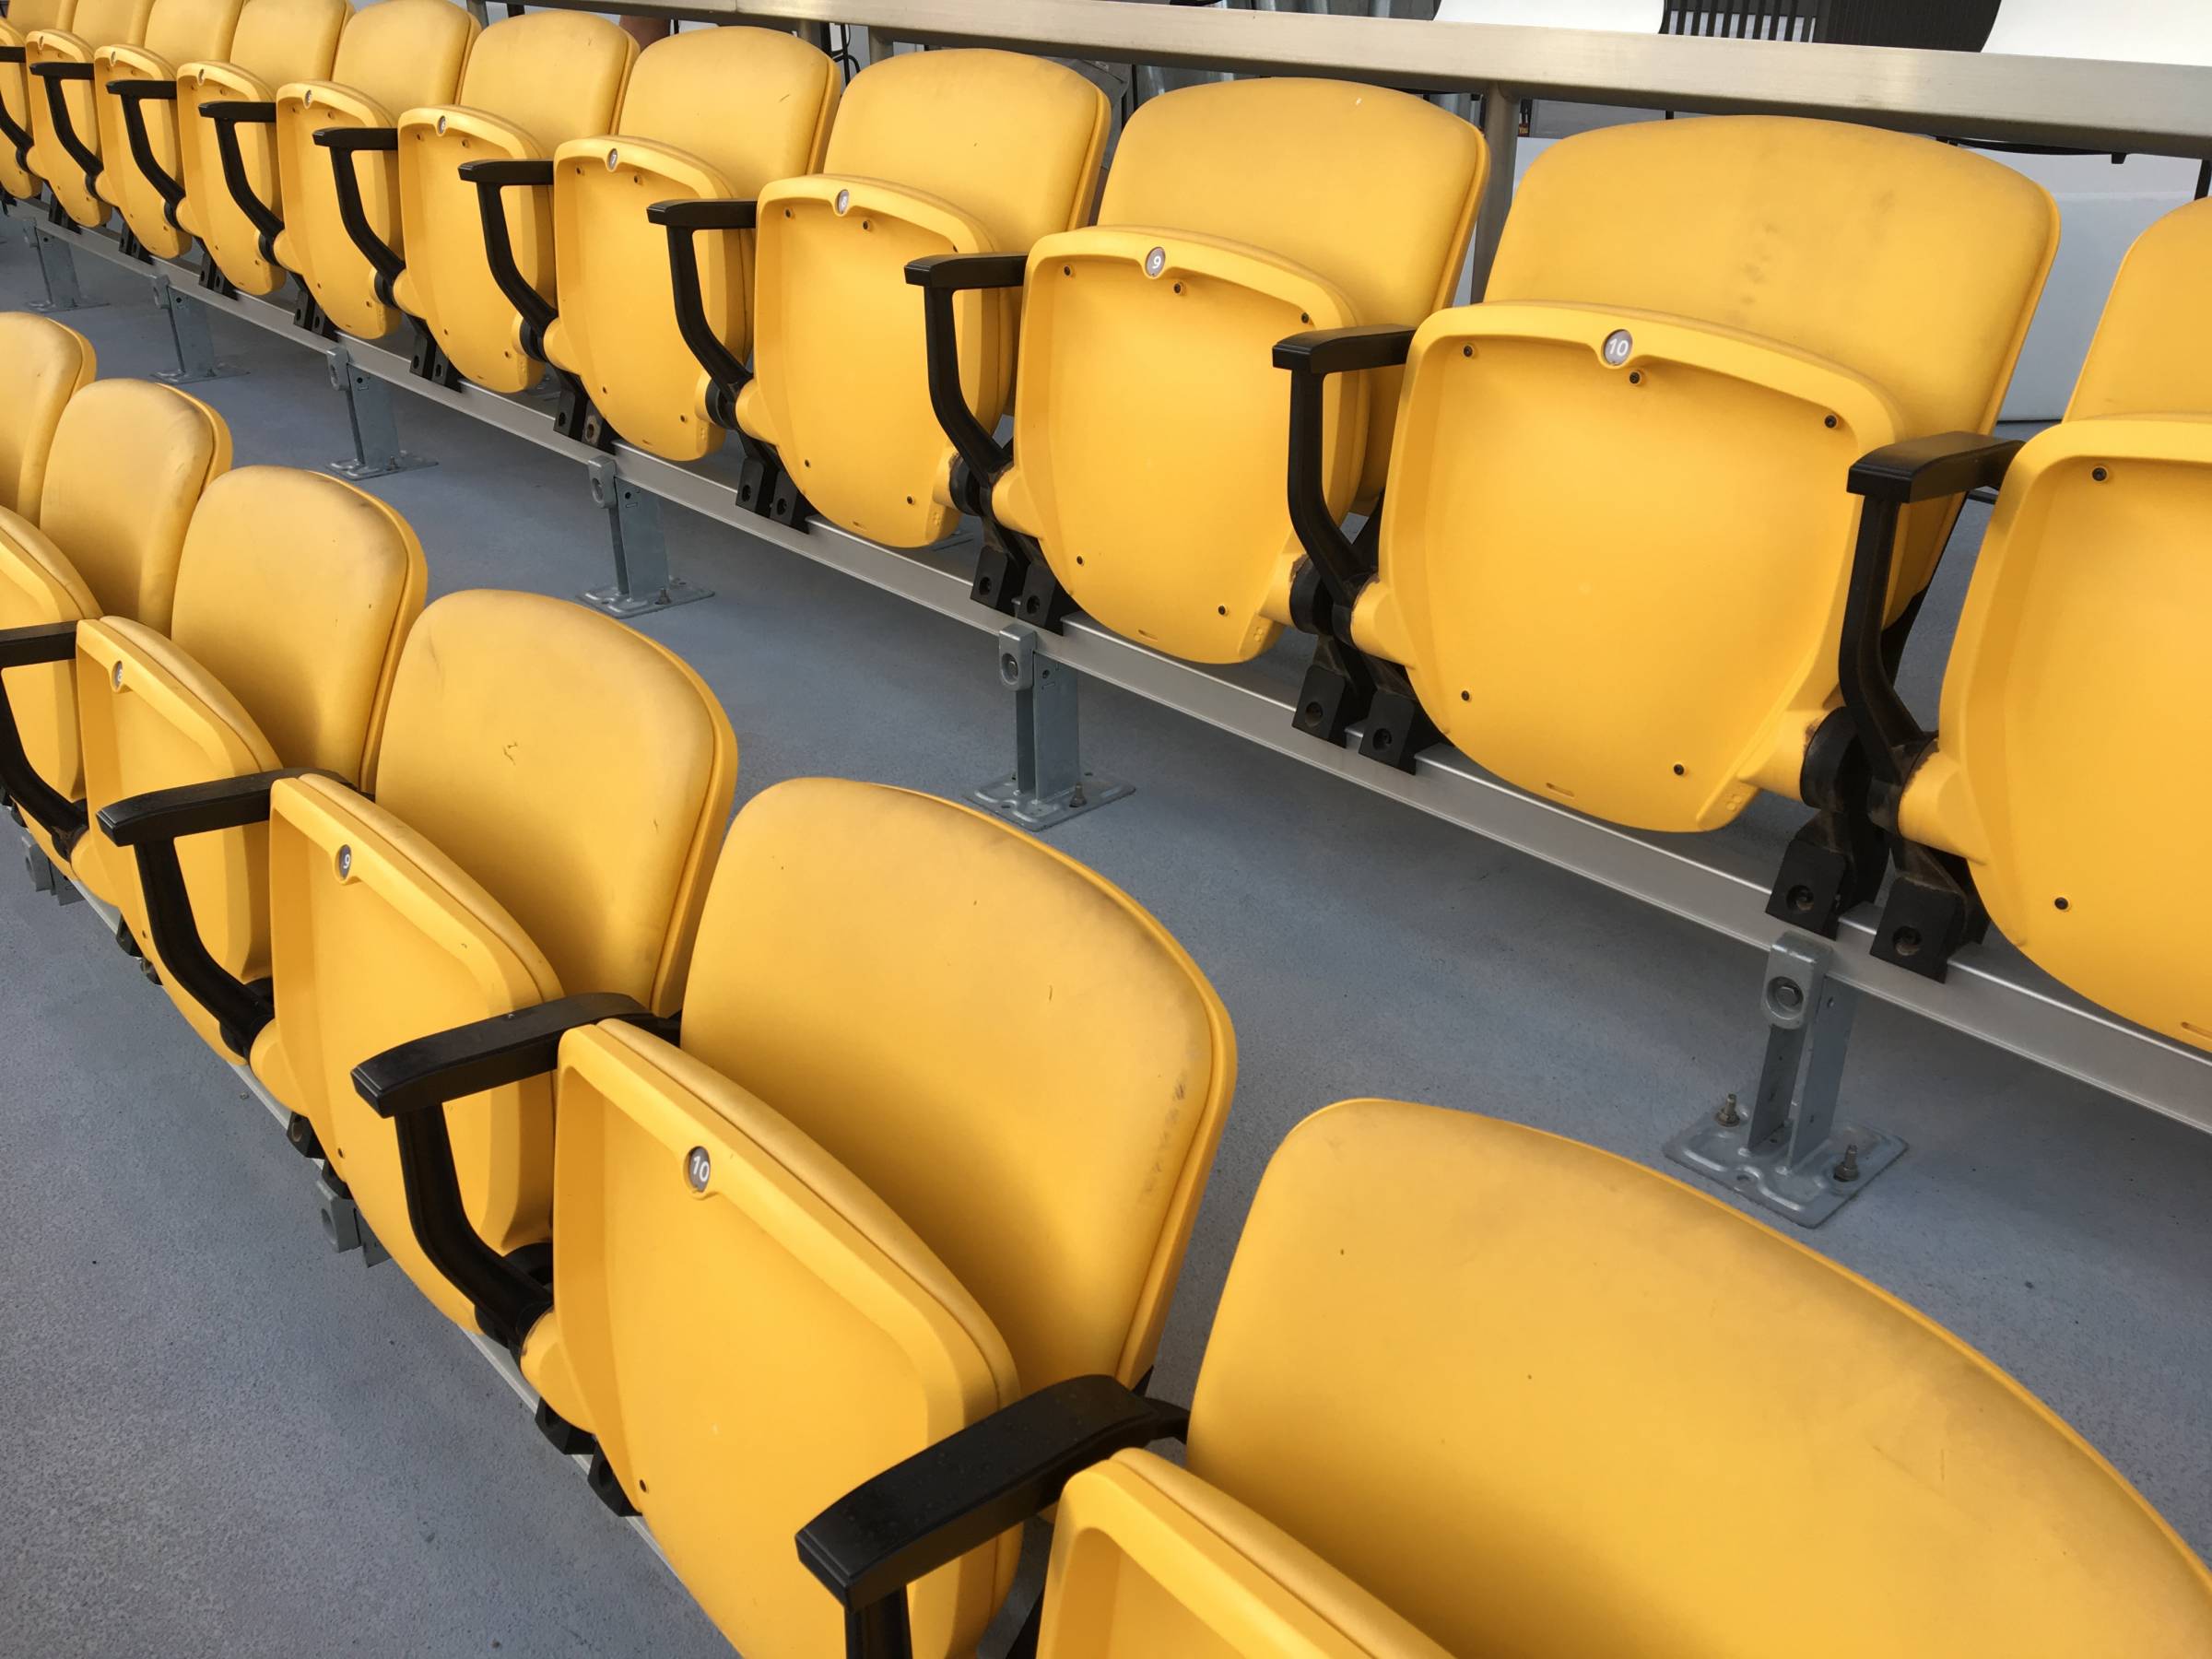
x=683, y=220
x=18, y=135
x=940, y=277
x=711, y=214
x=229, y=116
x=61, y=817
x=412, y=1085
x=953, y=272
x=492, y=178
x=344, y=144
x=964, y=1491
x=1919, y=469
x=1922, y=470
x=56, y=76
x=151, y=825
x=131, y=96
x=1311, y=357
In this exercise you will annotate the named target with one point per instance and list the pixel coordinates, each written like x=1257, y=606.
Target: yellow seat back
x=709, y=114
x=43, y=364
x=93, y=24
x=1914, y=264
x=97, y=549
x=933, y=152
x=2077, y=703
x=16, y=92
x=1517, y=1387
x=550, y=789
x=532, y=83
x=394, y=56
x=278, y=42
x=294, y=594
x=2147, y=357
x=1148, y=432
x=177, y=32
x=983, y=1187
x=1618, y=539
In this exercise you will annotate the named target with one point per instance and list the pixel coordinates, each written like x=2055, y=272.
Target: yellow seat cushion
x=1147, y=1558
x=752, y=1332
x=24, y=17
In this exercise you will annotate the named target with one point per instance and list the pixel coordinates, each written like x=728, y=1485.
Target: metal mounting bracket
x=1049, y=783
x=188, y=332
x=1788, y=1153
x=633, y=525
x=46, y=878
x=343, y=1225
x=376, y=451
x=57, y=269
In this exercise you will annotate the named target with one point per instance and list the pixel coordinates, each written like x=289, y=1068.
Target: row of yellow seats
x=1661, y=512
x=738, y=1142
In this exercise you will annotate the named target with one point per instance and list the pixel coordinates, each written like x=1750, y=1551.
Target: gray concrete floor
x=226, y=1439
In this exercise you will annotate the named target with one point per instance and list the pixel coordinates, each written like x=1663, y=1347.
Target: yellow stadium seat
x=707, y=115
x=1145, y=464
x=2064, y=794
x=278, y=42
x=395, y=55
x=135, y=103
x=1613, y=557
x=549, y=788
x=294, y=594
x=95, y=548
x=65, y=130
x=933, y=152
x=1475, y=1389
x=530, y=84
x=848, y=1214
x=43, y=364
x=24, y=17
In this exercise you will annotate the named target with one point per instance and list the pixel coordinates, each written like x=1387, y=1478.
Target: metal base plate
x=358, y=470
x=1807, y=1194
x=224, y=369
x=1042, y=812
x=616, y=603
x=53, y=310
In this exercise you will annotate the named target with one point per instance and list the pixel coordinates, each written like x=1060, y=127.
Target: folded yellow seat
x=277, y=42
x=530, y=84
x=1475, y=1389
x=2062, y=794
x=549, y=788
x=881, y=1181
x=66, y=134
x=706, y=115
x=1144, y=484
x=393, y=56
x=24, y=18
x=135, y=105
x=933, y=152
x=294, y=594
x=94, y=550
x=1615, y=551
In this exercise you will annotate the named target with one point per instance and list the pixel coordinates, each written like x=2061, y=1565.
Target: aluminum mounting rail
x=1991, y=993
